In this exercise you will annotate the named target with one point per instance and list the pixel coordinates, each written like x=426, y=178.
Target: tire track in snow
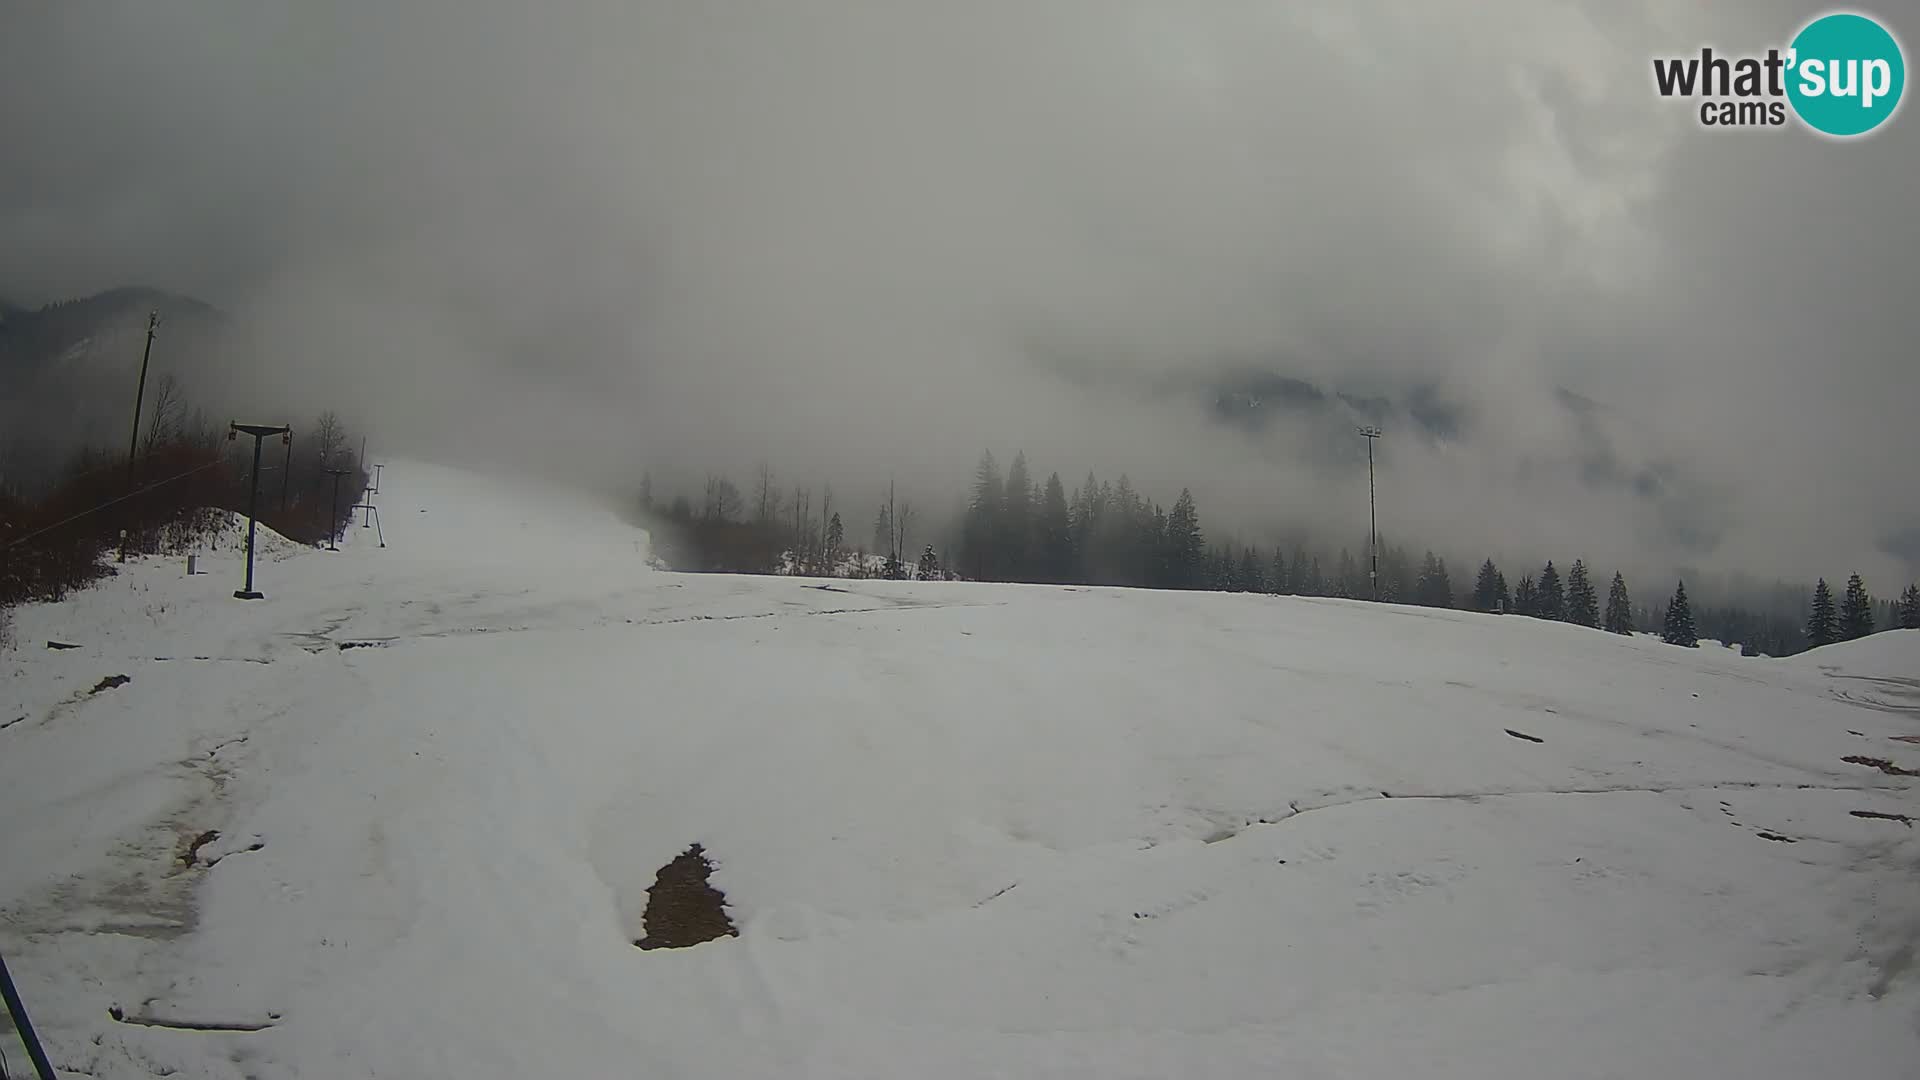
x=1298, y=810
x=599, y=624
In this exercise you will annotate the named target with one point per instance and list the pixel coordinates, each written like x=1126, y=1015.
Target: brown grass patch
x=682, y=908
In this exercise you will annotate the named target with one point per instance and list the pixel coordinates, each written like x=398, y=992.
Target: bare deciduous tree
x=901, y=519
x=766, y=496
x=168, y=405
x=826, y=512
x=723, y=499
x=329, y=439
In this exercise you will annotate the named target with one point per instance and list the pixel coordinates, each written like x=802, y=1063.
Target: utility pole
x=333, y=523
x=133, y=444
x=1373, y=521
x=259, y=432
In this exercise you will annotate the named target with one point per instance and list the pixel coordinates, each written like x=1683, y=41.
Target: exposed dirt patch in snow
x=192, y=854
x=230, y=1026
x=1878, y=816
x=109, y=683
x=1524, y=735
x=682, y=908
x=1882, y=764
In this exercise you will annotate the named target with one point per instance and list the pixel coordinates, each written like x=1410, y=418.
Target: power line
x=112, y=502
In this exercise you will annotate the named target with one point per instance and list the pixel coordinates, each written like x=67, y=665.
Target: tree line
x=168, y=497
x=1019, y=527
x=771, y=530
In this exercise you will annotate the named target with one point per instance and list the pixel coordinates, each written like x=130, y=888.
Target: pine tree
x=1398, y=582
x=1054, y=532
x=1909, y=608
x=1483, y=587
x=929, y=565
x=1823, y=623
x=1016, y=520
x=883, y=529
x=1679, y=625
x=1277, y=576
x=836, y=537
x=1525, y=597
x=980, y=534
x=1619, y=608
x=1314, y=584
x=1086, y=520
x=1583, y=607
x=1251, y=577
x=1549, y=602
x=1503, y=600
x=1153, y=543
x=1186, y=545
x=1346, y=583
x=1856, y=611
x=1434, y=589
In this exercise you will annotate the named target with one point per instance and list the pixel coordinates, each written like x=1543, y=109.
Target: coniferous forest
x=1018, y=526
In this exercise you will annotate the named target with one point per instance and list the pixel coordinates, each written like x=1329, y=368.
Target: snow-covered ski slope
x=965, y=830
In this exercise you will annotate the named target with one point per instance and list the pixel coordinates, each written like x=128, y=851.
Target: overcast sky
x=862, y=237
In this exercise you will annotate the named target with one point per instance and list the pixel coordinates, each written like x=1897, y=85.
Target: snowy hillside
x=398, y=819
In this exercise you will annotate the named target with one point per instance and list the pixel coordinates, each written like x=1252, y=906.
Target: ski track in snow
x=398, y=819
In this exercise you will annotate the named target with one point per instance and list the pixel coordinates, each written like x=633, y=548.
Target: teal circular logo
x=1845, y=75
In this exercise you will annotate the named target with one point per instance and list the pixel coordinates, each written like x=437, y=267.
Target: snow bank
x=1888, y=654
x=1879, y=671
x=964, y=829
x=230, y=535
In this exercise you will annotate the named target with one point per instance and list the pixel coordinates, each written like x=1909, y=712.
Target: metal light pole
x=258, y=431
x=1373, y=521
x=133, y=444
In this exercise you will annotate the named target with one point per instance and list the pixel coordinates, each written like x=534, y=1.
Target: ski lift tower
x=259, y=432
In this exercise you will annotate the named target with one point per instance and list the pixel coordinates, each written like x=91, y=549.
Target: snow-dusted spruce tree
x=1619, y=608
x=1856, y=611
x=1823, y=623
x=1583, y=606
x=1548, y=599
x=1679, y=625
x=1484, y=597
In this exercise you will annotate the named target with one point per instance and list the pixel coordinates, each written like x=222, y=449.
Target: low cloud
x=861, y=238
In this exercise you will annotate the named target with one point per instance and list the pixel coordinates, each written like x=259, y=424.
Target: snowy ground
x=966, y=830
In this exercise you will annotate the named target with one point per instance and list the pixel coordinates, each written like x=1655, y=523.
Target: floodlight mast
x=1373, y=521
